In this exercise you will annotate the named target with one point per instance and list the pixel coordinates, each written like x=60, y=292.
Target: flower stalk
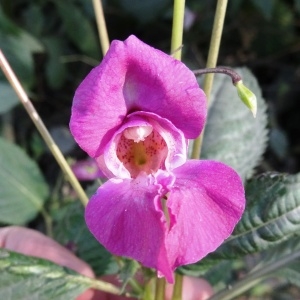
x=235, y=77
x=12, y=78
x=176, y=50
x=212, y=62
x=177, y=292
x=244, y=93
x=160, y=289
x=177, y=28
x=101, y=24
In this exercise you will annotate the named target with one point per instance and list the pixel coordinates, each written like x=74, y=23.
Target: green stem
x=135, y=286
x=254, y=278
x=212, y=62
x=160, y=289
x=102, y=30
x=48, y=222
x=7, y=127
x=79, y=58
x=148, y=291
x=11, y=77
x=177, y=28
x=99, y=285
x=235, y=77
x=177, y=292
x=176, y=45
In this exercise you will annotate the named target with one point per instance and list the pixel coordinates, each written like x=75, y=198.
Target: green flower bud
x=247, y=97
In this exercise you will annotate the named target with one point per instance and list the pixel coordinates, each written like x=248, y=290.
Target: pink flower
x=133, y=114
x=87, y=169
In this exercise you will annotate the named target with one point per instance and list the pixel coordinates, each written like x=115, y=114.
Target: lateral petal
x=126, y=217
x=205, y=203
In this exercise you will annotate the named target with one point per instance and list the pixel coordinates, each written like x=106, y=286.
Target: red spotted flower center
x=142, y=149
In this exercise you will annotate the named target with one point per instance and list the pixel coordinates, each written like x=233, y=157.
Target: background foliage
x=53, y=44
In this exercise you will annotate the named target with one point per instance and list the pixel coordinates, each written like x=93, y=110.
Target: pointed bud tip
x=254, y=111
x=247, y=97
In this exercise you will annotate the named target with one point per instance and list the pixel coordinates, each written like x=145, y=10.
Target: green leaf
x=6, y=25
x=272, y=216
x=70, y=230
x=21, y=61
x=8, y=97
x=290, y=270
x=285, y=248
x=128, y=272
x=34, y=12
x=231, y=134
x=22, y=187
x=56, y=71
x=291, y=274
x=24, y=277
x=220, y=273
x=202, y=267
x=260, y=273
x=79, y=28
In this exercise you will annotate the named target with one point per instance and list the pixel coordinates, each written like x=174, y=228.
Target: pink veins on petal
x=133, y=114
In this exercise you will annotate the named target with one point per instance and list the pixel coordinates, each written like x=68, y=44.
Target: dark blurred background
x=52, y=45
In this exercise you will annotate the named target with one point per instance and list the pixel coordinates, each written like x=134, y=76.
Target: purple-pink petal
x=156, y=82
x=98, y=106
x=135, y=77
x=205, y=203
x=126, y=217
x=87, y=170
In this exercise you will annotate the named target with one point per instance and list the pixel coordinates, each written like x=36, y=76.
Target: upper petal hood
x=135, y=77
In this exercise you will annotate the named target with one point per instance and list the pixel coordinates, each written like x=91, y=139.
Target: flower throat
x=141, y=149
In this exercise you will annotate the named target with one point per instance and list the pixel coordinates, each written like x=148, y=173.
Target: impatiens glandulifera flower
x=134, y=114
x=87, y=169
